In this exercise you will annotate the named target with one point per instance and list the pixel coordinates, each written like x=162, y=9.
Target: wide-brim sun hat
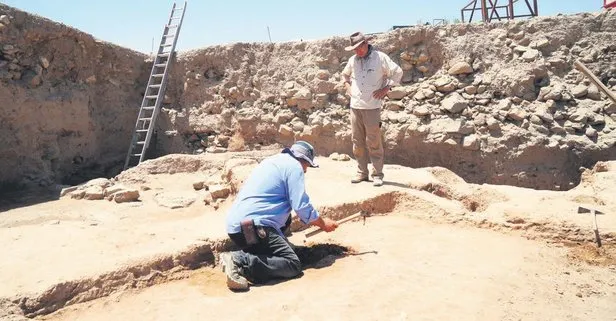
x=302, y=150
x=357, y=39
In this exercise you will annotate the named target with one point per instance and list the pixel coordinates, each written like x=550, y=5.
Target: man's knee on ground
x=295, y=266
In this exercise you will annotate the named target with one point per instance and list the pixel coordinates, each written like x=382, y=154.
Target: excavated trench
x=177, y=266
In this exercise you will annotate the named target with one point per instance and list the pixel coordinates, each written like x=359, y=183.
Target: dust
x=591, y=254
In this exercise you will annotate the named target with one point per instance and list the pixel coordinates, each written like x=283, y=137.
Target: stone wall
x=498, y=103
x=67, y=101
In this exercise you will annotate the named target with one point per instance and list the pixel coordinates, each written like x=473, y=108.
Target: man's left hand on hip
x=381, y=93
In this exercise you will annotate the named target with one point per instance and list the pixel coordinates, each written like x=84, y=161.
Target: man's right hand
x=329, y=225
x=326, y=224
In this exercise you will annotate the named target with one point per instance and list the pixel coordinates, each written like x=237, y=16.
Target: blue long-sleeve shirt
x=273, y=189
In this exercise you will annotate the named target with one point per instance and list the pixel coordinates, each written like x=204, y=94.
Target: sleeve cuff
x=312, y=216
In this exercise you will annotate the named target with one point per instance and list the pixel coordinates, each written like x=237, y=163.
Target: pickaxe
x=317, y=230
x=582, y=210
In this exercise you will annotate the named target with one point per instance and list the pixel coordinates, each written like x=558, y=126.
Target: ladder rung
x=135, y=155
x=160, y=65
x=158, y=75
x=147, y=118
x=177, y=9
x=148, y=108
x=174, y=18
x=164, y=54
x=169, y=36
x=167, y=45
x=155, y=86
x=141, y=143
x=151, y=96
x=172, y=26
x=142, y=130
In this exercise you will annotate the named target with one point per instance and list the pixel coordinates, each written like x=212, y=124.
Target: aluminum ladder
x=155, y=90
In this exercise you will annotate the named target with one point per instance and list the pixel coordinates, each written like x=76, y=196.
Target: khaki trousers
x=366, y=136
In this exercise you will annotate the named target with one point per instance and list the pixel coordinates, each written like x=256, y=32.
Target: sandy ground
x=64, y=252
x=402, y=269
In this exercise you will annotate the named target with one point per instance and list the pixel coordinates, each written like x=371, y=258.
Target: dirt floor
x=401, y=269
x=435, y=247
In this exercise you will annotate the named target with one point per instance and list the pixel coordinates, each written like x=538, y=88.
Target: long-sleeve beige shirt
x=368, y=74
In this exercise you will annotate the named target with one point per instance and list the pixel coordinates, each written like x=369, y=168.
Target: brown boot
x=359, y=178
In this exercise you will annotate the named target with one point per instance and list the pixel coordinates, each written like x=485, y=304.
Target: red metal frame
x=609, y=5
x=490, y=9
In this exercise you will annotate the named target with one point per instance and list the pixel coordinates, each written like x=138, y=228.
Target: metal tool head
x=582, y=210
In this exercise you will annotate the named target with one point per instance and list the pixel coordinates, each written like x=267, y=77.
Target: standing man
x=368, y=77
x=262, y=212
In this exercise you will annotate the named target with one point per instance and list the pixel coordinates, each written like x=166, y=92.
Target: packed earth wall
x=499, y=103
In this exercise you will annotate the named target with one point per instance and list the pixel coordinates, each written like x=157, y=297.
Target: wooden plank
x=581, y=67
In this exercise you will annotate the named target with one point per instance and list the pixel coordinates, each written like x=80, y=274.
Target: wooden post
x=484, y=10
x=511, y=15
x=580, y=66
x=536, y=8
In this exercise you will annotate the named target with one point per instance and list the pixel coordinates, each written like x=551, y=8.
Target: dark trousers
x=271, y=258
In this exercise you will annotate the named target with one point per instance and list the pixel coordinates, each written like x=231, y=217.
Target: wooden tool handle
x=344, y=220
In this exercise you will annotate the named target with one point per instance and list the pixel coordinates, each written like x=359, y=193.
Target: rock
x=397, y=93
x=591, y=132
x=595, y=119
x=67, y=190
x=557, y=129
x=323, y=87
x=334, y=156
x=424, y=94
x=544, y=91
x=610, y=108
x=216, y=150
x=77, y=194
x=579, y=91
x=423, y=69
x=219, y=191
x=517, y=114
x=539, y=129
x=445, y=125
x=207, y=198
x=289, y=85
x=4, y=19
x=601, y=167
x=126, y=195
x=540, y=43
x=423, y=58
x=530, y=55
x=344, y=158
x=454, y=103
x=303, y=93
x=493, y=123
x=100, y=182
x=536, y=120
x=323, y=74
x=91, y=79
x=579, y=116
x=394, y=105
x=471, y=90
x=460, y=68
x=471, y=142
x=593, y=93
x=504, y=104
x=421, y=111
x=174, y=200
x=297, y=125
x=44, y=62
x=93, y=193
x=198, y=185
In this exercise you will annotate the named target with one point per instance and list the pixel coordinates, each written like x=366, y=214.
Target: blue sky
x=133, y=23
